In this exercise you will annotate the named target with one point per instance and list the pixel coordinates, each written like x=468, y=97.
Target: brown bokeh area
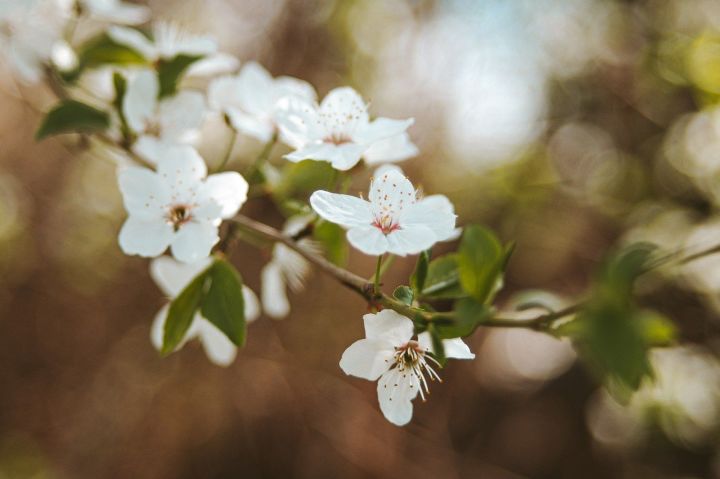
x=554, y=122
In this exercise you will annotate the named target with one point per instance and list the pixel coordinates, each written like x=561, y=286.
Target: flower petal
x=298, y=121
x=134, y=39
x=157, y=329
x=410, y=239
x=345, y=106
x=118, y=12
x=274, y=295
x=380, y=129
x=216, y=64
x=454, y=348
x=218, y=348
x=140, y=100
x=394, y=149
x=147, y=238
x=291, y=86
x=391, y=189
x=396, y=390
x=194, y=241
x=181, y=114
x=344, y=210
x=367, y=358
x=390, y=326
x=173, y=276
x=229, y=190
x=368, y=239
x=260, y=128
x=144, y=193
x=181, y=165
x=435, y=212
x=252, y=305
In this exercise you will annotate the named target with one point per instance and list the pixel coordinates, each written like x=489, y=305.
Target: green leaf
x=100, y=51
x=304, y=177
x=438, y=351
x=332, y=238
x=468, y=314
x=658, y=330
x=404, y=294
x=182, y=311
x=72, y=116
x=417, y=280
x=170, y=72
x=120, y=85
x=223, y=304
x=443, y=279
x=481, y=258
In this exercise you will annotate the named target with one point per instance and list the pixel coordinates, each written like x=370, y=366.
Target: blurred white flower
x=286, y=269
x=29, y=30
x=391, y=150
x=401, y=364
x=113, y=11
x=393, y=221
x=172, y=277
x=338, y=131
x=168, y=41
x=251, y=99
x=159, y=123
x=177, y=206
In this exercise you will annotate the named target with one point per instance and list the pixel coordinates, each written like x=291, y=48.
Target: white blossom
x=394, y=220
x=391, y=150
x=251, y=99
x=338, y=130
x=113, y=11
x=400, y=364
x=29, y=30
x=159, y=123
x=168, y=41
x=177, y=206
x=172, y=277
x=287, y=268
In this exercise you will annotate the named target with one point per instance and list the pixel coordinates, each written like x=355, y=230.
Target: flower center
x=178, y=216
x=153, y=128
x=337, y=138
x=386, y=223
x=412, y=359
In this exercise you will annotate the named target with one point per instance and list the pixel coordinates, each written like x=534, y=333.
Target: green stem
x=256, y=167
x=228, y=150
x=378, y=275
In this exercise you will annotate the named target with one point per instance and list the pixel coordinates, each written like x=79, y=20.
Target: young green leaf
x=332, y=238
x=304, y=177
x=182, y=311
x=417, y=280
x=72, y=116
x=100, y=51
x=468, y=314
x=223, y=304
x=404, y=294
x=443, y=279
x=438, y=347
x=481, y=258
x=170, y=72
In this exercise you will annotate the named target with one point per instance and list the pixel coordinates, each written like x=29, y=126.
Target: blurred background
x=569, y=126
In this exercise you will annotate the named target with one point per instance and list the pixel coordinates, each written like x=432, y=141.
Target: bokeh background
x=569, y=126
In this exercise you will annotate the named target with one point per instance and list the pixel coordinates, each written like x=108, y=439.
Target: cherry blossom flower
x=172, y=277
x=28, y=32
x=159, y=123
x=391, y=150
x=286, y=269
x=400, y=364
x=113, y=11
x=177, y=206
x=394, y=220
x=251, y=99
x=339, y=130
x=169, y=41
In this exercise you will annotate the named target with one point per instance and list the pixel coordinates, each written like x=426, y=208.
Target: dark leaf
x=404, y=294
x=170, y=72
x=182, y=311
x=443, y=279
x=223, y=304
x=467, y=315
x=71, y=116
x=417, y=280
x=481, y=259
x=332, y=238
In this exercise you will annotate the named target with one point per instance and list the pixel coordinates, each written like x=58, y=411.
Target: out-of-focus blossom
x=172, y=277
x=177, y=206
x=287, y=268
x=401, y=365
x=391, y=150
x=168, y=41
x=394, y=220
x=338, y=130
x=29, y=30
x=251, y=99
x=159, y=123
x=683, y=400
x=112, y=11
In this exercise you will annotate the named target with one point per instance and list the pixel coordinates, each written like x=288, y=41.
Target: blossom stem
x=378, y=274
x=256, y=167
x=228, y=150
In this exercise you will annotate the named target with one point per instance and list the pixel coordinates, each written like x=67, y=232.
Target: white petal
x=393, y=149
x=274, y=295
x=146, y=238
x=221, y=92
x=344, y=157
x=454, y=348
x=381, y=129
x=344, y=210
x=395, y=395
x=410, y=240
x=345, y=105
x=260, y=128
x=252, y=304
x=367, y=358
x=256, y=90
x=298, y=121
x=151, y=148
x=181, y=114
x=435, y=212
x=118, y=12
x=140, y=100
x=229, y=190
x=133, y=39
x=144, y=193
x=181, y=165
x=216, y=64
x=157, y=329
x=392, y=190
x=218, y=348
x=194, y=241
x=290, y=86
x=390, y=326
x=173, y=276
x=368, y=239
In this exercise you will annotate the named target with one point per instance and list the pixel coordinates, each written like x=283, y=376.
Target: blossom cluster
x=176, y=207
